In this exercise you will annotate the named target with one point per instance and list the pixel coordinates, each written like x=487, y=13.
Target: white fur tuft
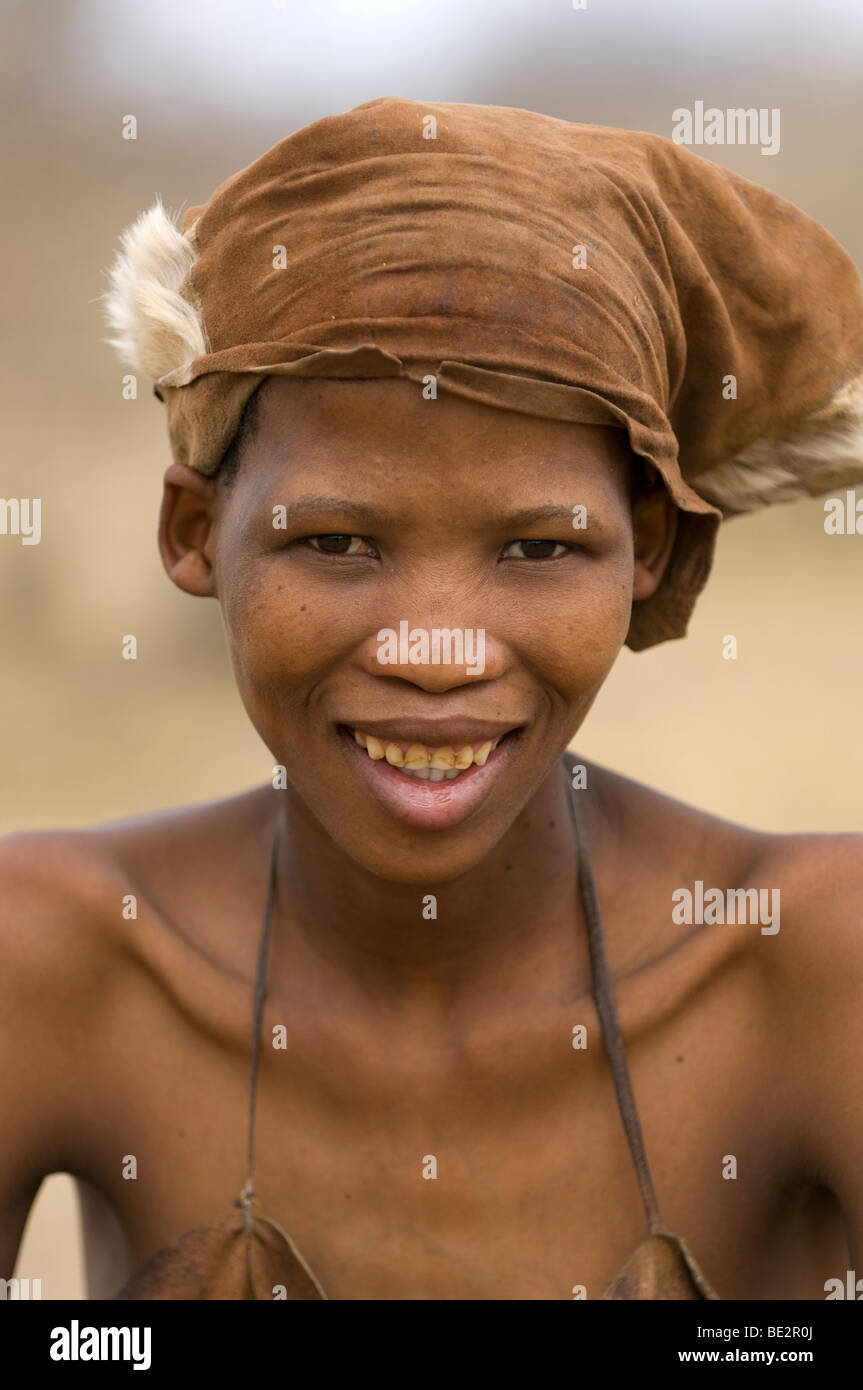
x=827, y=455
x=151, y=305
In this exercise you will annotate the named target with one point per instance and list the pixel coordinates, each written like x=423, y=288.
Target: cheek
x=287, y=635
x=572, y=639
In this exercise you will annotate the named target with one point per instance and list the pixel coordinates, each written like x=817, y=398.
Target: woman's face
x=361, y=508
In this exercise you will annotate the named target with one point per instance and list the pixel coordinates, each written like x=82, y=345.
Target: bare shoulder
x=71, y=903
x=795, y=1012
x=55, y=889
x=820, y=875
x=802, y=894
x=814, y=971
x=820, y=879
x=644, y=819
x=799, y=953
x=816, y=967
x=55, y=941
x=61, y=938
x=86, y=923
x=68, y=897
x=812, y=965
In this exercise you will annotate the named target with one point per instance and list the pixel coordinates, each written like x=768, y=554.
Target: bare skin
x=452, y=1037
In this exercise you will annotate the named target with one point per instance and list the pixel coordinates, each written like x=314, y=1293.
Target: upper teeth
x=432, y=764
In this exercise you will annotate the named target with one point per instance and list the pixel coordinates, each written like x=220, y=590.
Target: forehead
x=385, y=429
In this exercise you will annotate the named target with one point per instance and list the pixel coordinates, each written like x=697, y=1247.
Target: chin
x=415, y=832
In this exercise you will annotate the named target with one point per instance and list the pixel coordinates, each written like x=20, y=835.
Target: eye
x=536, y=550
x=339, y=545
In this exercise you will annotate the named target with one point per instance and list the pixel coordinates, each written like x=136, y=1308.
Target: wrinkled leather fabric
x=221, y=1261
x=568, y=271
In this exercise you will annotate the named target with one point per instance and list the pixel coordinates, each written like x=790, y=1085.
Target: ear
x=185, y=528
x=654, y=525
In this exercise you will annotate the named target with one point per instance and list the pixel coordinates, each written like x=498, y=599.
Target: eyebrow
x=359, y=511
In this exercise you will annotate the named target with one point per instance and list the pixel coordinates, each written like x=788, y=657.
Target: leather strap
x=246, y=1198
x=603, y=995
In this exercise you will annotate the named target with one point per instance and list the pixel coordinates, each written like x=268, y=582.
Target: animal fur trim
x=152, y=305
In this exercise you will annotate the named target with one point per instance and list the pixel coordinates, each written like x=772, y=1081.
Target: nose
x=435, y=658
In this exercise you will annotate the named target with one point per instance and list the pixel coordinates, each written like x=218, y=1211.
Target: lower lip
x=430, y=805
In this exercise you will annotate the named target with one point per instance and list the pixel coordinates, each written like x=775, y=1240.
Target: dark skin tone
x=405, y=1036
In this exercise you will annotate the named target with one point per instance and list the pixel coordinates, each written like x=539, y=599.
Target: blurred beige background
x=773, y=739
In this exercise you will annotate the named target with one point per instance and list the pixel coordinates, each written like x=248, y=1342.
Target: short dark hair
x=230, y=463
x=644, y=477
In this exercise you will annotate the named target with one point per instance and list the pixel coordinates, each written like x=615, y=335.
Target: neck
x=512, y=917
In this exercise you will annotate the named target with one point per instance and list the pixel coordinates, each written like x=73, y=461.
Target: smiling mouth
x=423, y=762
x=431, y=786
x=427, y=762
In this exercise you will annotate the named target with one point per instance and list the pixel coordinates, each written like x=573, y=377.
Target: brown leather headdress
x=572, y=272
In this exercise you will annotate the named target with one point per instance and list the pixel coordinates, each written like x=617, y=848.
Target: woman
x=457, y=397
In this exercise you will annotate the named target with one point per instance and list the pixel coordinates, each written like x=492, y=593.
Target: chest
x=494, y=1169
